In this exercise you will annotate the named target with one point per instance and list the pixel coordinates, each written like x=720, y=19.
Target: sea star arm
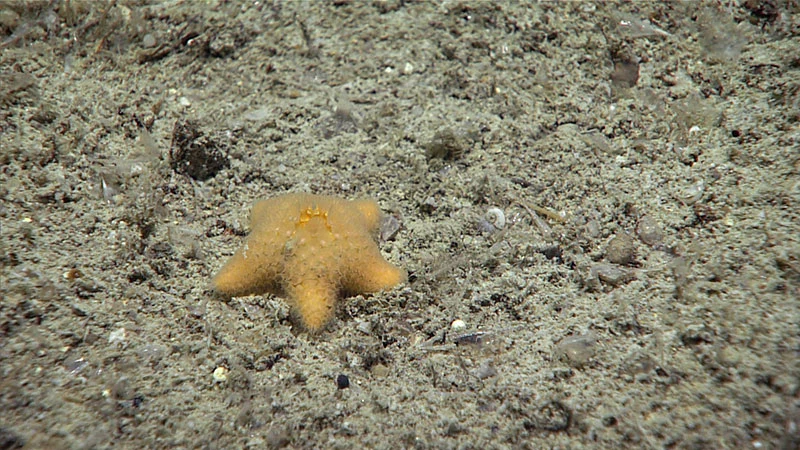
x=314, y=299
x=254, y=269
x=368, y=272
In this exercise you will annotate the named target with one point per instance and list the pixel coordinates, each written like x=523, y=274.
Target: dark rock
x=342, y=382
x=194, y=154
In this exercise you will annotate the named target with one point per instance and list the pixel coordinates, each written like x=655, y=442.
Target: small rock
x=620, y=250
x=649, y=231
x=194, y=154
x=342, y=382
x=445, y=145
x=576, y=350
x=117, y=336
x=364, y=327
x=610, y=274
x=148, y=41
x=277, y=437
x=380, y=371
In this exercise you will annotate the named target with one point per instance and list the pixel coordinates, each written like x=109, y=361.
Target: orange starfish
x=311, y=249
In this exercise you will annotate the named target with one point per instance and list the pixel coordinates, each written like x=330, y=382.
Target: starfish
x=310, y=249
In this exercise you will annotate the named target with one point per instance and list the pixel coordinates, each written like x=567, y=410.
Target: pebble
x=610, y=274
x=117, y=336
x=364, y=327
x=380, y=371
x=620, y=250
x=342, y=382
x=148, y=41
x=649, y=231
x=576, y=350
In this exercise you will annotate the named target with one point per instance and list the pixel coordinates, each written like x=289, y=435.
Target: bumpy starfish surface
x=311, y=249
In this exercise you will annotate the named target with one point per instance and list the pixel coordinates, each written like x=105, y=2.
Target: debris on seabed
x=576, y=350
x=636, y=28
x=118, y=336
x=441, y=343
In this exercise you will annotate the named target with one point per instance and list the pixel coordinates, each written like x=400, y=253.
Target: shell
x=496, y=217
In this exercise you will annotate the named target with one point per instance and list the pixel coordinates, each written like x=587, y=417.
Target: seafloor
x=606, y=194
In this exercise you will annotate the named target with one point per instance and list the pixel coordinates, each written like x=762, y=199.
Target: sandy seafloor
x=642, y=292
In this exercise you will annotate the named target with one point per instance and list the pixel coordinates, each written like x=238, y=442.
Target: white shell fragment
x=458, y=325
x=220, y=374
x=496, y=217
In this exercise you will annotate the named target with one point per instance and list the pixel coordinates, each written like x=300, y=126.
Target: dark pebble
x=342, y=382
